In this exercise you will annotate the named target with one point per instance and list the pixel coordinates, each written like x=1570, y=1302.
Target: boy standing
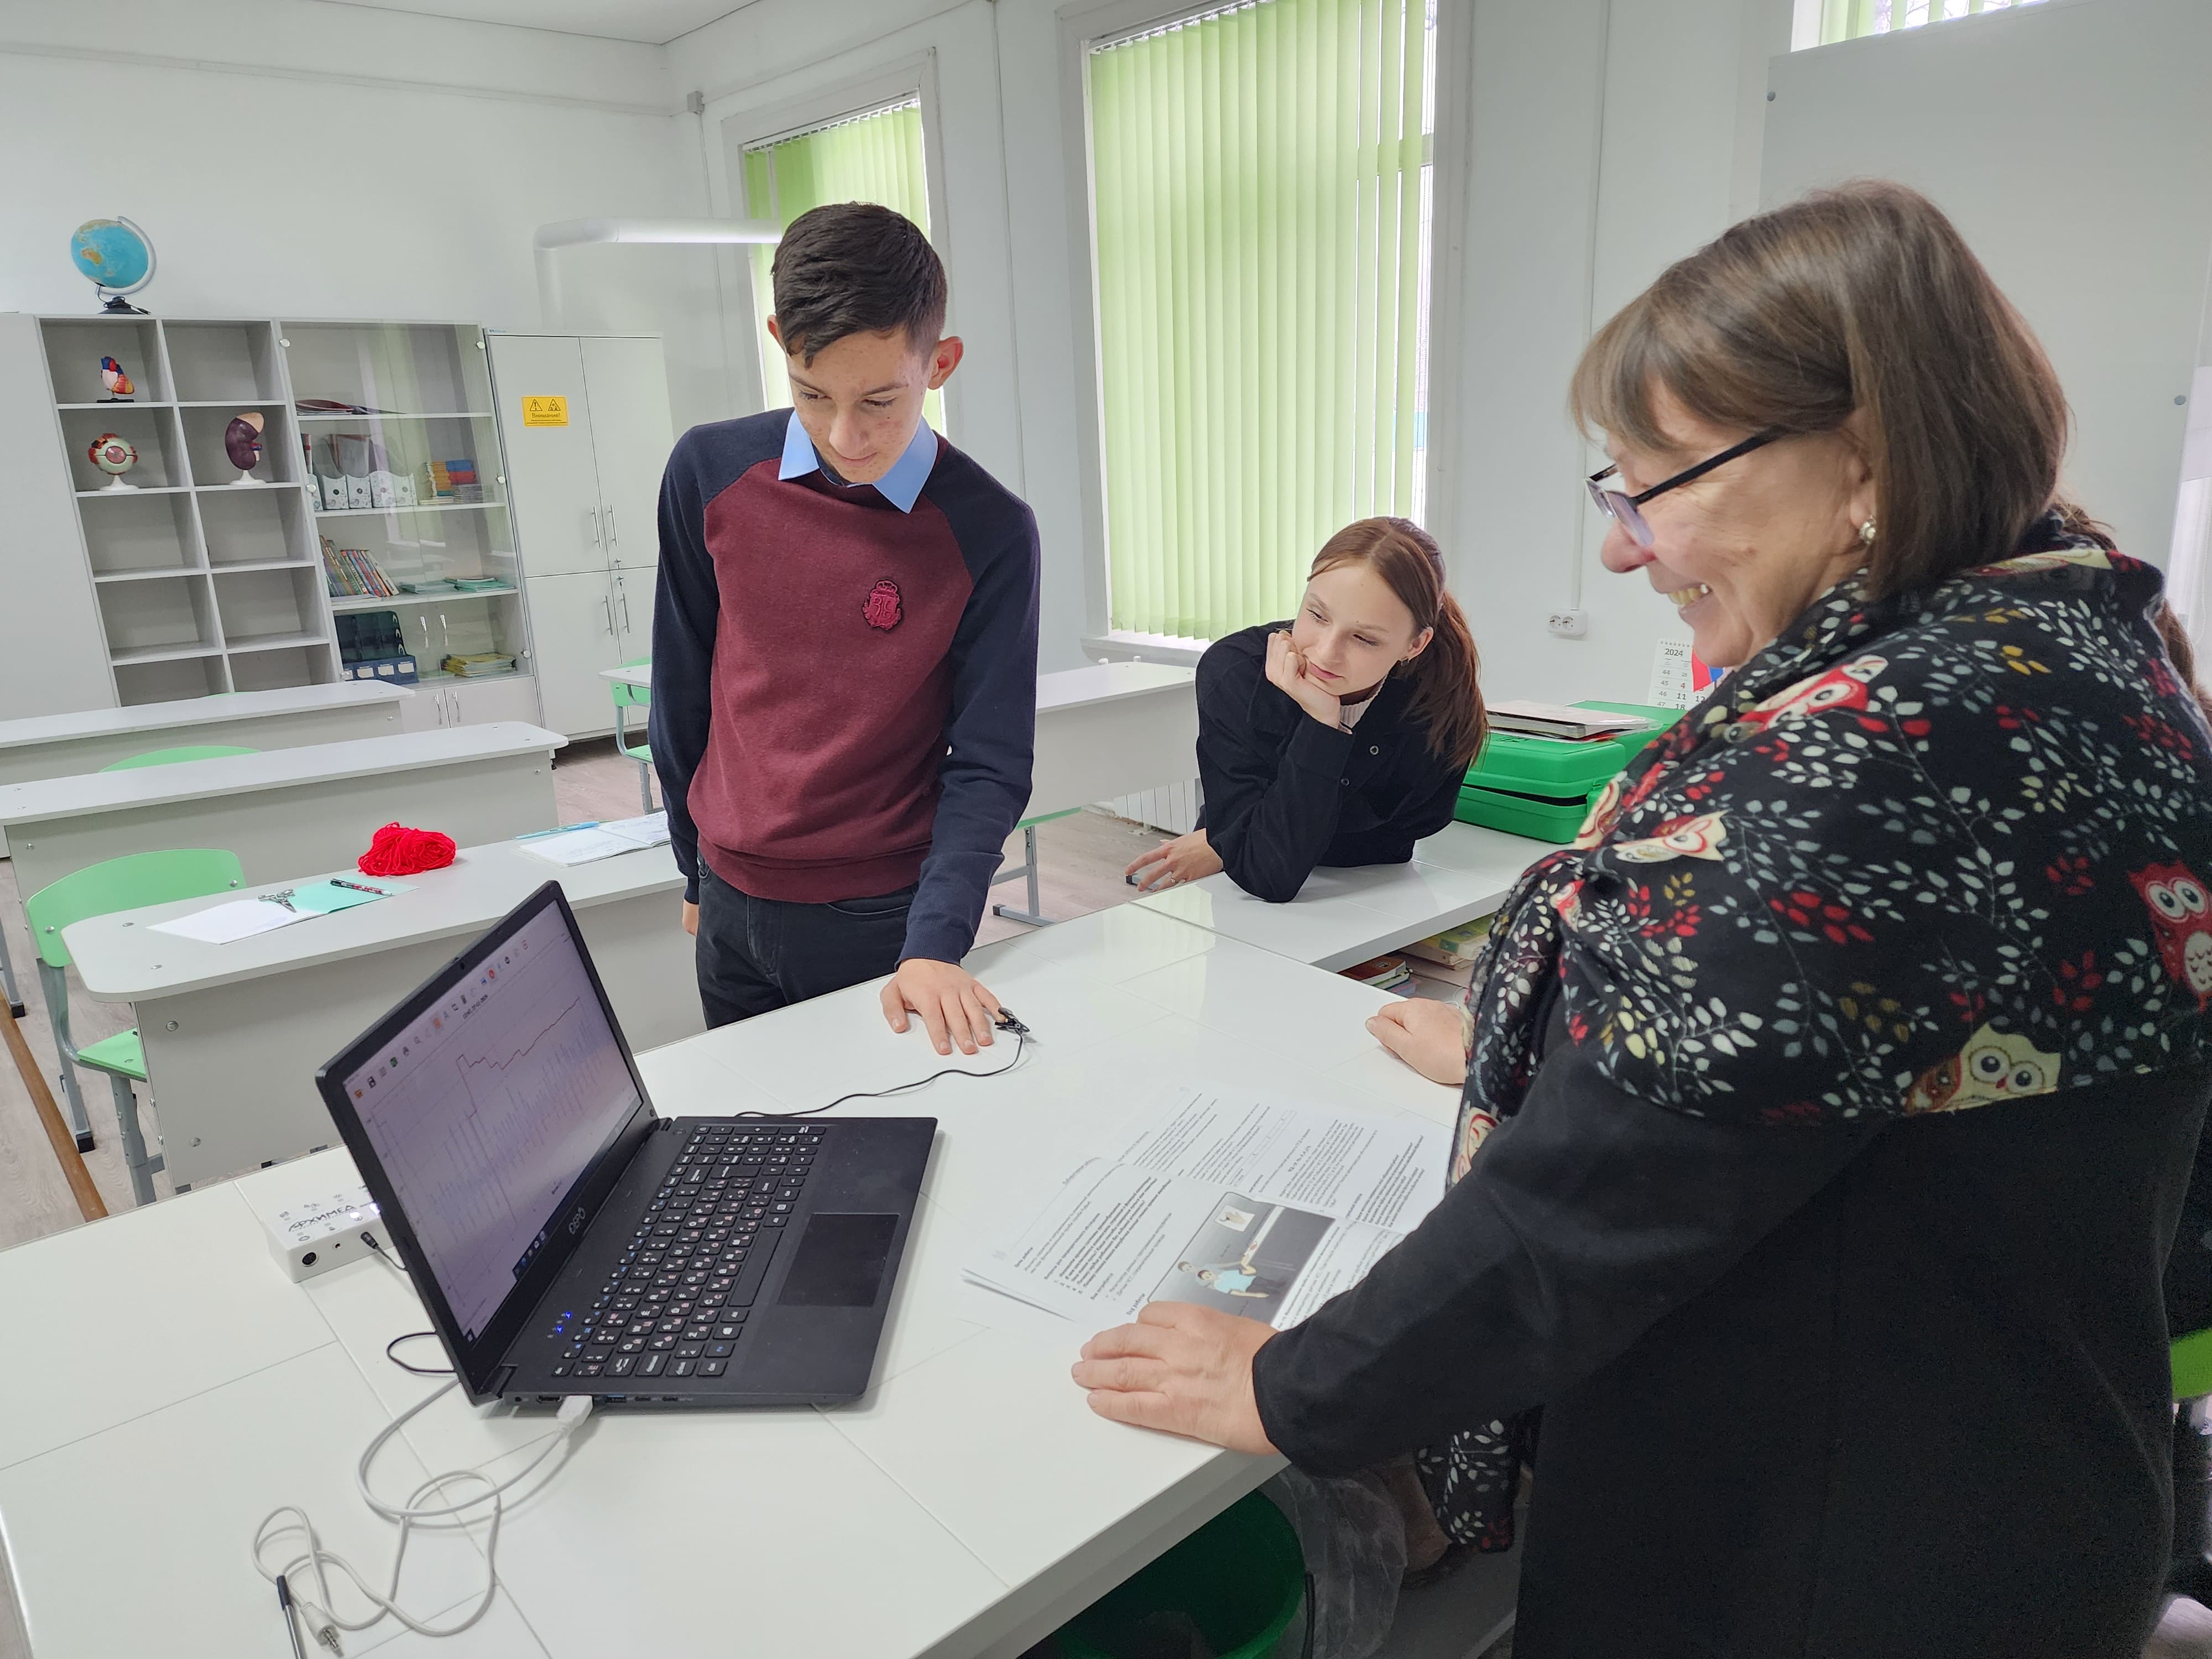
x=844, y=651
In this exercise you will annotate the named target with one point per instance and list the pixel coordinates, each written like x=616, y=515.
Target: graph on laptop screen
x=487, y=1111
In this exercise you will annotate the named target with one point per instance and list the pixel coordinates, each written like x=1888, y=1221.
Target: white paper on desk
x=221, y=924
x=1266, y=1210
x=573, y=846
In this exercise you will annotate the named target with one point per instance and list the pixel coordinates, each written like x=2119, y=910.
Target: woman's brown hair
x=1862, y=301
x=1446, y=698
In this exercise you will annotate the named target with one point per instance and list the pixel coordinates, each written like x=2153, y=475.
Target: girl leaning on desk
x=1827, y=1107
x=1341, y=737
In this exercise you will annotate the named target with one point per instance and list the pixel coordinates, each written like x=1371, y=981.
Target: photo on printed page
x=1246, y=1257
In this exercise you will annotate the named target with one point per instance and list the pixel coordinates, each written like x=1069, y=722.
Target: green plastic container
x=1543, y=787
x=1239, y=1578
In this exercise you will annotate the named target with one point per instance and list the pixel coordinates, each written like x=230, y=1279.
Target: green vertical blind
x=1259, y=200
x=1847, y=19
x=870, y=156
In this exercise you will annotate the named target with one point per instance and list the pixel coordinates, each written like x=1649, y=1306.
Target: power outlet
x=1568, y=624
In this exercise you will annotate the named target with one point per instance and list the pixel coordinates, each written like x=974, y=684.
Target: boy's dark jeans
x=756, y=955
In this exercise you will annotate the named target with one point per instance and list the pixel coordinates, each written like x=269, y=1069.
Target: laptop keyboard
x=675, y=1304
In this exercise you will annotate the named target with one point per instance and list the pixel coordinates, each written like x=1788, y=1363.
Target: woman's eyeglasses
x=1624, y=509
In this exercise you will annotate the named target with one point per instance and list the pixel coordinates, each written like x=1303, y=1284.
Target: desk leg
x=55, y=984
x=1028, y=869
x=134, y=1159
x=8, y=978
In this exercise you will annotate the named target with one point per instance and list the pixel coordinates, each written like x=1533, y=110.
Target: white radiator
x=1174, y=809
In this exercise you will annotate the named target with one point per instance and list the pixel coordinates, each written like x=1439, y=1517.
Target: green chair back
x=169, y=757
x=2192, y=1364
x=632, y=696
x=125, y=883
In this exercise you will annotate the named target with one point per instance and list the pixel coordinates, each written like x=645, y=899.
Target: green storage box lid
x=1558, y=768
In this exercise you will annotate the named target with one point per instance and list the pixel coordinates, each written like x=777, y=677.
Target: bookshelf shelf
x=372, y=602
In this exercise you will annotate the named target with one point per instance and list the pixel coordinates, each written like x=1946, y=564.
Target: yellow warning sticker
x=546, y=411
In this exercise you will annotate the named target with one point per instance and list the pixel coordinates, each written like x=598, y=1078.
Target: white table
x=61, y=745
x=1108, y=729
x=289, y=810
x=967, y=1505
x=291, y=999
x=1341, y=917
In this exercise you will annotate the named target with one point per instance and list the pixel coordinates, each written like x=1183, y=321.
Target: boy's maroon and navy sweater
x=844, y=695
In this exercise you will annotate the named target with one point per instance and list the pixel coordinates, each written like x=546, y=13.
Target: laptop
x=567, y=1240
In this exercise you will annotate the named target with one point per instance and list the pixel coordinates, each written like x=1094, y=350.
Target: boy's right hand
x=1430, y=1036
x=690, y=918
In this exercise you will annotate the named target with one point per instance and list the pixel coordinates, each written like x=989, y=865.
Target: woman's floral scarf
x=1921, y=854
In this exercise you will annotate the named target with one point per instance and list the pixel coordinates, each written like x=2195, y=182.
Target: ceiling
x=654, y=22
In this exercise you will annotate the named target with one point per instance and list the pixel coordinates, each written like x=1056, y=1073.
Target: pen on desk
x=291, y=1623
x=359, y=887
x=558, y=829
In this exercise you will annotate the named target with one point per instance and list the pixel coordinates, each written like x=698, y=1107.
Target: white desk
x=64, y=745
x=1110, y=729
x=1341, y=917
x=971, y=1503
x=289, y=810
x=291, y=999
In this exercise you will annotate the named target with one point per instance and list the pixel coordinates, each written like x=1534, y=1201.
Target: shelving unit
x=194, y=581
x=172, y=614
x=428, y=390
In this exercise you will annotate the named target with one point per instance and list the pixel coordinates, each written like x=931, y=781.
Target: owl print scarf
x=1926, y=854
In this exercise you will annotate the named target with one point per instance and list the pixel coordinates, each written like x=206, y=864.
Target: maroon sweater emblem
x=882, y=608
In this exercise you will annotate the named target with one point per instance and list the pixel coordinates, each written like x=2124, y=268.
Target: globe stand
x=116, y=306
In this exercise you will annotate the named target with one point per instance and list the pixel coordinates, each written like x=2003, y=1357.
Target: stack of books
x=479, y=664
x=1385, y=973
x=349, y=572
x=454, y=481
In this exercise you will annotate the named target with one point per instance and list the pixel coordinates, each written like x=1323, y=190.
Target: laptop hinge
x=500, y=1379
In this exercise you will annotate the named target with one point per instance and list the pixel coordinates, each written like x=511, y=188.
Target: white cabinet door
x=425, y=711
x=552, y=476
x=634, y=590
x=507, y=697
x=631, y=436
x=573, y=631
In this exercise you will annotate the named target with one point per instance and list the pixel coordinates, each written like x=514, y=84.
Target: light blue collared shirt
x=901, y=486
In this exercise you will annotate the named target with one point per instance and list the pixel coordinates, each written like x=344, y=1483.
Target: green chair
x=124, y=884
x=169, y=757
x=1028, y=867
x=628, y=698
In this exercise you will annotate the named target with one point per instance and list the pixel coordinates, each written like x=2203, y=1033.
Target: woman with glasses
x=1339, y=737
x=1829, y=1105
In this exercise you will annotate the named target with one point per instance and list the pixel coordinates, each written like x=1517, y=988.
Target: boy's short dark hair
x=856, y=268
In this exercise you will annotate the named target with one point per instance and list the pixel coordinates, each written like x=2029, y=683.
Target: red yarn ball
x=396, y=850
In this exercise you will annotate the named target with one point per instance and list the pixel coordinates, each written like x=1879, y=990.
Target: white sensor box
x=318, y=1234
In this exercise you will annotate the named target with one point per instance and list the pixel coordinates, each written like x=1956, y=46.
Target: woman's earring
x=1866, y=533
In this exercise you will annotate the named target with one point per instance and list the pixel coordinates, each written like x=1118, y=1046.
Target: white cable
x=315, y=1559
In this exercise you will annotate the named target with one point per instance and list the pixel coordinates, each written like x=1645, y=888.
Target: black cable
x=415, y=1370
x=1007, y=1022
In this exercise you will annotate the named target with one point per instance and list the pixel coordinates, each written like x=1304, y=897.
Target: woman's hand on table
x=1181, y=1368
x=1286, y=672
x=1174, y=863
x=1430, y=1036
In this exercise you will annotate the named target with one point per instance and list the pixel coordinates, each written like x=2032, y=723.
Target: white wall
x=293, y=159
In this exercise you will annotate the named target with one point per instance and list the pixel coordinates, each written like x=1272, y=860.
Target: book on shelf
x=1385, y=973
x=1454, y=946
x=479, y=664
x=350, y=572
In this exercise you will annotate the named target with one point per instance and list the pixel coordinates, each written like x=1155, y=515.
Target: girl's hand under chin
x=1286, y=672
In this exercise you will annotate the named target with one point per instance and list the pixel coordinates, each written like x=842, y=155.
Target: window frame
x=744, y=120
x=1085, y=24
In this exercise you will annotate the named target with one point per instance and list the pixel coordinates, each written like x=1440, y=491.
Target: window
x=1261, y=201
x=870, y=156
x=1824, y=22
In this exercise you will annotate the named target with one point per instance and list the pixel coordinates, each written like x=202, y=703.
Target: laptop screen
x=488, y=1111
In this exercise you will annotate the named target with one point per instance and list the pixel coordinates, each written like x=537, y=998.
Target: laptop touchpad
x=841, y=1261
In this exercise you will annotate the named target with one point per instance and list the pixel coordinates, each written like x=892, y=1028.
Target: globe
x=115, y=256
